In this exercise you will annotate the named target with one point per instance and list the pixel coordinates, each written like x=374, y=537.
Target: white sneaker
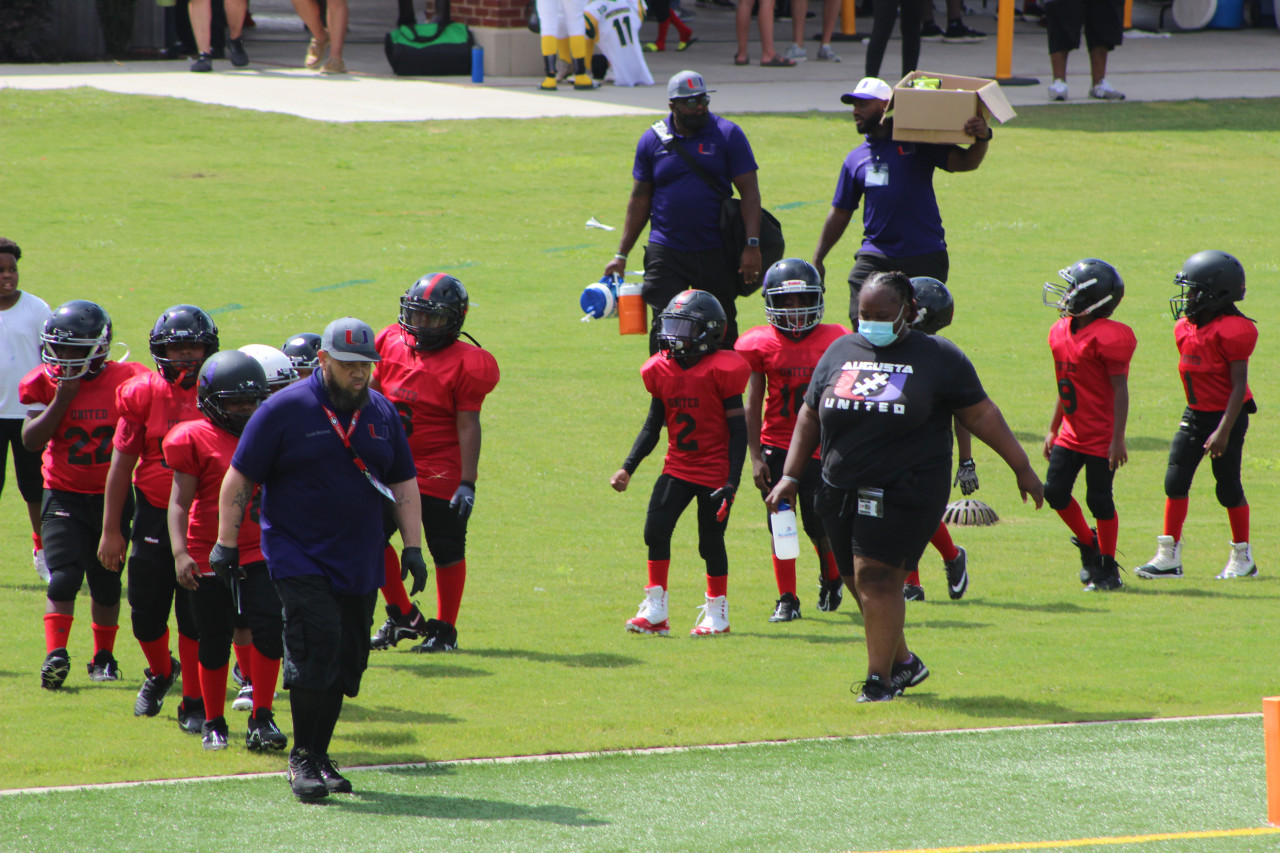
x=1058, y=90
x=826, y=54
x=796, y=53
x=1104, y=92
x=1240, y=564
x=715, y=618
x=244, y=699
x=1167, y=563
x=42, y=569
x=652, y=616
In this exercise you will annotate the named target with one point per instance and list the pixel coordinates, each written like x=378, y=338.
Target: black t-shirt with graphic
x=886, y=411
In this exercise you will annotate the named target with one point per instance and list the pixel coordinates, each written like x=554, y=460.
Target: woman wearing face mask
x=882, y=400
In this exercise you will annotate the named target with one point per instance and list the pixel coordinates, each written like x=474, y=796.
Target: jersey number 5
x=101, y=455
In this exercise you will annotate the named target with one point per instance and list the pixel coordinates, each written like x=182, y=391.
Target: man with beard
x=326, y=451
x=685, y=248
x=901, y=223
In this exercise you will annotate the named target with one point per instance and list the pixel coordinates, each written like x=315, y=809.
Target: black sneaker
x=830, y=594
x=912, y=592
x=214, y=734
x=441, y=637
x=787, y=609
x=104, y=667
x=236, y=53
x=304, y=776
x=333, y=780
x=202, y=62
x=191, y=715
x=55, y=669
x=908, y=674
x=957, y=574
x=399, y=627
x=1089, y=557
x=875, y=690
x=154, y=688
x=263, y=733
x=958, y=33
x=931, y=32
x=1107, y=577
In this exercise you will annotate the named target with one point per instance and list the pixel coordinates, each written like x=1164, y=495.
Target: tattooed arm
x=233, y=500
x=408, y=512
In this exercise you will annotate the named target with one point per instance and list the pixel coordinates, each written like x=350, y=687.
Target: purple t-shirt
x=900, y=217
x=685, y=213
x=320, y=515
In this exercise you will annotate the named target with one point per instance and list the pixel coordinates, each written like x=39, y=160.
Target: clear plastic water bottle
x=786, y=539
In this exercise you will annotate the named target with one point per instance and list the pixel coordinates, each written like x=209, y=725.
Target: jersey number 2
x=101, y=455
x=687, y=426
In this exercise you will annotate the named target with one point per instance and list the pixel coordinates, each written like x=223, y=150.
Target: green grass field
x=279, y=225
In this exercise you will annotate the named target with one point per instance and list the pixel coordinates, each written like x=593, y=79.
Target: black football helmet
x=1093, y=288
x=692, y=325
x=303, y=350
x=934, y=305
x=793, y=276
x=75, y=340
x=182, y=324
x=1210, y=281
x=432, y=311
x=227, y=376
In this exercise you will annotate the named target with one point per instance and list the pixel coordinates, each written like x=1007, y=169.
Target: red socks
x=1175, y=513
x=189, y=657
x=913, y=577
x=37, y=542
x=717, y=586
x=942, y=541
x=1108, y=534
x=450, y=581
x=1239, y=518
x=104, y=638
x=157, y=654
x=244, y=658
x=1074, y=517
x=829, y=561
x=658, y=572
x=680, y=26
x=393, y=589
x=213, y=686
x=266, y=673
x=784, y=572
x=57, y=627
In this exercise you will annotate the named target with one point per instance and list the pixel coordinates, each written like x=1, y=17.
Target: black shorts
x=911, y=511
x=934, y=264
x=1187, y=451
x=1101, y=20
x=215, y=614
x=26, y=464
x=326, y=634
x=71, y=525
x=443, y=531
x=810, y=482
x=153, y=584
x=669, y=272
x=1060, y=479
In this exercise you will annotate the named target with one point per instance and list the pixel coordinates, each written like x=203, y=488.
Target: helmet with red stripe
x=432, y=311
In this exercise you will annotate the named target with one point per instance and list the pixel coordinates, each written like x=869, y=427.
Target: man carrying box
x=902, y=226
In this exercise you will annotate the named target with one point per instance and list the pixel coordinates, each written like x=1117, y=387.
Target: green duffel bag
x=430, y=49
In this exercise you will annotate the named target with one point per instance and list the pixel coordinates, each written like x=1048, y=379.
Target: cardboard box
x=938, y=115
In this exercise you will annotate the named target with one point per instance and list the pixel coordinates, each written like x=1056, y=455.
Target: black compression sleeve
x=647, y=440
x=737, y=440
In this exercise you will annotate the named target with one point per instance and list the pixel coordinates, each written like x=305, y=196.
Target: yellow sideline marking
x=1092, y=842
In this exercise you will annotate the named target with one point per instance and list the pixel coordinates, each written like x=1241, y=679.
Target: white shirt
x=20, y=328
x=616, y=28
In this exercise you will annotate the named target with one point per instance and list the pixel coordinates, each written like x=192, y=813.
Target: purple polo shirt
x=900, y=217
x=685, y=212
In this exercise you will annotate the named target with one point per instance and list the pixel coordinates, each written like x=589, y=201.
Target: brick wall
x=501, y=14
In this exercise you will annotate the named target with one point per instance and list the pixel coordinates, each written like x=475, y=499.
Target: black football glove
x=967, y=477
x=725, y=495
x=225, y=563
x=411, y=563
x=464, y=499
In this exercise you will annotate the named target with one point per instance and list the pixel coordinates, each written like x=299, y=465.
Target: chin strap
x=473, y=340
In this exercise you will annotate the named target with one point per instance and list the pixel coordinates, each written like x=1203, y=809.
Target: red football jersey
x=1205, y=356
x=204, y=451
x=428, y=389
x=786, y=365
x=1084, y=363
x=78, y=455
x=149, y=408
x=697, y=429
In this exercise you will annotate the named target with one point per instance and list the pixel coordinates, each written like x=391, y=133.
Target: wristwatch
x=753, y=241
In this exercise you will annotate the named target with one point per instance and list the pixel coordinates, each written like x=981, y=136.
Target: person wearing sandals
x=769, y=57
x=331, y=38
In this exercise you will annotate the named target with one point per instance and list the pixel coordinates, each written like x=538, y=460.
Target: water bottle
x=477, y=64
x=600, y=299
x=631, y=314
x=786, y=539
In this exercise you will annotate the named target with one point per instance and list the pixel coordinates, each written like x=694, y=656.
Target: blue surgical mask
x=880, y=333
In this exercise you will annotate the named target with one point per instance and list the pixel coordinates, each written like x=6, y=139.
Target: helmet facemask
x=794, y=307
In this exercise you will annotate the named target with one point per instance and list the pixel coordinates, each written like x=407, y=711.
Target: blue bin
x=1229, y=16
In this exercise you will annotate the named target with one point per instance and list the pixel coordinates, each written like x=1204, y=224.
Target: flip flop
x=743, y=61
x=684, y=45
x=778, y=62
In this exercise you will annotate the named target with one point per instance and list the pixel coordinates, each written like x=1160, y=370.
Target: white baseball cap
x=868, y=88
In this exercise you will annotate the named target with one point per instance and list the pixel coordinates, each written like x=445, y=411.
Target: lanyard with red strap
x=345, y=435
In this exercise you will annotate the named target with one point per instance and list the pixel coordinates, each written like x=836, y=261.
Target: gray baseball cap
x=686, y=84
x=349, y=339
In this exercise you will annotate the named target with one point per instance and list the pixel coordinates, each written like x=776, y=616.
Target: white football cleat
x=715, y=617
x=1167, y=563
x=1240, y=564
x=652, y=616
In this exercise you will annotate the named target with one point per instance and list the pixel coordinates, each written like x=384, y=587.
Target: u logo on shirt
x=378, y=431
x=708, y=148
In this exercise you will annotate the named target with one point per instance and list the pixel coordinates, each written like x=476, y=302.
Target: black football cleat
x=154, y=688
x=441, y=637
x=263, y=733
x=333, y=780
x=55, y=669
x=786, y=609
x=304, y=777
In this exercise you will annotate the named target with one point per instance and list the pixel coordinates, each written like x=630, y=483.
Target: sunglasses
x=695, y=101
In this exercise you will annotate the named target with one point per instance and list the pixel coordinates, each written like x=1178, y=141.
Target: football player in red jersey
x=782, y=356
x=78, y=386
x=230, y=387
x=697, y=393
x=438, y=384
x=1091, y=355
x=150, y=405
x=1214, y=344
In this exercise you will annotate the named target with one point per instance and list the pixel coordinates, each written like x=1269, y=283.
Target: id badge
x=871, y=502
x=878, y=175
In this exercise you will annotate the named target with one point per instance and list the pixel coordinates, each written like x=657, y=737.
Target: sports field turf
x=279, y=225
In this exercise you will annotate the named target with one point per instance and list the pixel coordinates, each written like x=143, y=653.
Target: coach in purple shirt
x=901, y=224
x=685, y=249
